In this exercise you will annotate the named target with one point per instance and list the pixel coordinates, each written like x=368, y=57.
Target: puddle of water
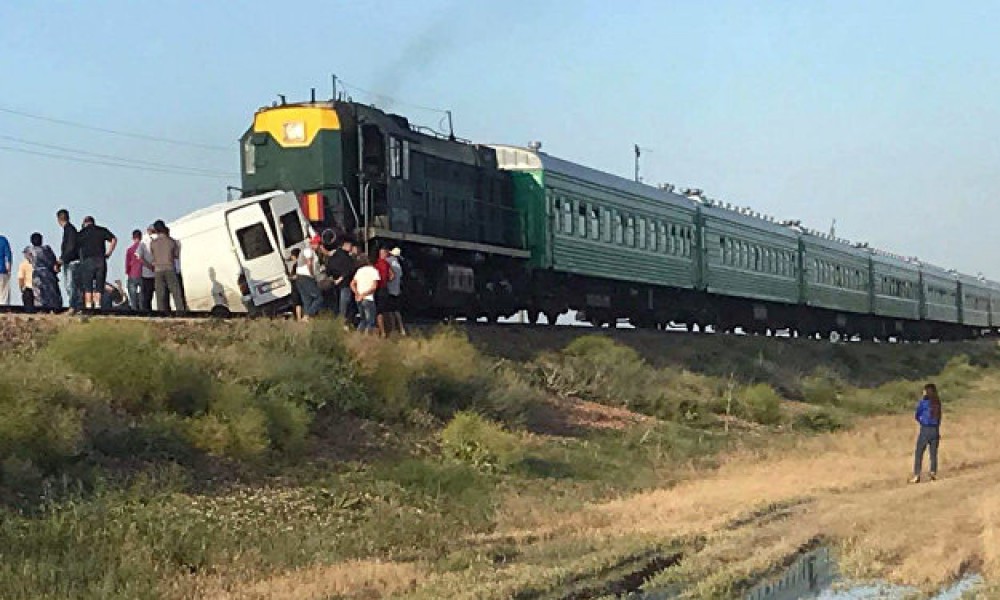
x=811, y=573
x=893, y=592
x=813, y=577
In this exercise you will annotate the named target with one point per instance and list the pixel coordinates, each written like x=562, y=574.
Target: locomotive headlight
x=295, y=131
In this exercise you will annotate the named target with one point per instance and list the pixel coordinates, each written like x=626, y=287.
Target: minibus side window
x=254, y=242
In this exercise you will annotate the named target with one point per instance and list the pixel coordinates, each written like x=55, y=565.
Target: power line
x=113, y=157
x=138, y=136
x=113, y=164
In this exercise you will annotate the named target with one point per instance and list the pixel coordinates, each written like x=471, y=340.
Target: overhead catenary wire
x=112, y=157
x=113, y=164
x=109, y=131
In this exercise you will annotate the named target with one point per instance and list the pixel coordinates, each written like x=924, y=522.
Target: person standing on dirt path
x=6, y=268
x=145, y=257
x=305, y=279
x=395, y=287
x=363, y=285
x=24, y=276
x=341, y=267
x=96, y=245
x=44, y=278
x=928, y=414
x=69, y=260
x=164, y=264
x=133, y=272
x=385, y=275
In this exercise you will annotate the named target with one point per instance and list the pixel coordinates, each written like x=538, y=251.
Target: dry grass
x=349, y=580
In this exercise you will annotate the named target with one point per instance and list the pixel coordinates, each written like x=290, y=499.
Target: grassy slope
x=366, y=485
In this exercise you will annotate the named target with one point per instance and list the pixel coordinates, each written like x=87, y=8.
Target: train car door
x=258, y=253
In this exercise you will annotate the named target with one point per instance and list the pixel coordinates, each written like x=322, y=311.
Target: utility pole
x=637, y=154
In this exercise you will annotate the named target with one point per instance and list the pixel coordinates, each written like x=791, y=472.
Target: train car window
x=254, y=242
x=630, y=232
x=595, y=224
x=756, y=258
x=567, y=214
x=654, y=242
x=557, y=214
x=641, y=233
x=606, y=233
x=619, y=227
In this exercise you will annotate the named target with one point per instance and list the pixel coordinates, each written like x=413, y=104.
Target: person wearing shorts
x=96, y=244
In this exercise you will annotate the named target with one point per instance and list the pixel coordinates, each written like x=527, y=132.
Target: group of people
x=152, y=265
x=360, y=291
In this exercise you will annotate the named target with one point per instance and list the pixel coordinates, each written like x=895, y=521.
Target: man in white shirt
x=363, y=285
x=305, y=279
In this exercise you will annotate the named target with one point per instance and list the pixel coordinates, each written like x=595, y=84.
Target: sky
x=880, y=115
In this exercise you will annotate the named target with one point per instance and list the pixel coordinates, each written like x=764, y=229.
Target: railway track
x=123, y=314
x=423, y=324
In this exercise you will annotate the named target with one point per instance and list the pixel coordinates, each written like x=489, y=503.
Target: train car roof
x=749, y=220
x=517, y=158
x=932, y=269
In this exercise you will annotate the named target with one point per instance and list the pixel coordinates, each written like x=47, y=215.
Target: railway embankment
x=263, y=459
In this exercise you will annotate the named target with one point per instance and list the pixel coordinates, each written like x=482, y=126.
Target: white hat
x=395, y=251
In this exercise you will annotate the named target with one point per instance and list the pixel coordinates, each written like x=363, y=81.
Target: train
x=492, y=230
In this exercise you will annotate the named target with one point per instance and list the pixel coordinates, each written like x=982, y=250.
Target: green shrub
x=510, y=397
x=155, y=437
x=287, y=425
x=125, y=361
x=483, y=444
x=822, y=387
x=822, y=420
x=31, y=429
x=234, y=426
x=760, y=403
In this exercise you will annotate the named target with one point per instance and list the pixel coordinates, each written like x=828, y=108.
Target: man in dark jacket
x=96, y=244
x=340, y=267
x=69, y=260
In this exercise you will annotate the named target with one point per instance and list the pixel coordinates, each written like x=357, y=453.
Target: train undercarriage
x=604, y=303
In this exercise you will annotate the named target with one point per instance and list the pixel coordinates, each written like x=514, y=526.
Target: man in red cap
x=305, y=279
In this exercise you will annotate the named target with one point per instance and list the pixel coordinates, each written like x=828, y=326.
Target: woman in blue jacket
x=929, y=416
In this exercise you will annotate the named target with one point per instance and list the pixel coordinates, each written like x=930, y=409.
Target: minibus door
x=257, y=252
